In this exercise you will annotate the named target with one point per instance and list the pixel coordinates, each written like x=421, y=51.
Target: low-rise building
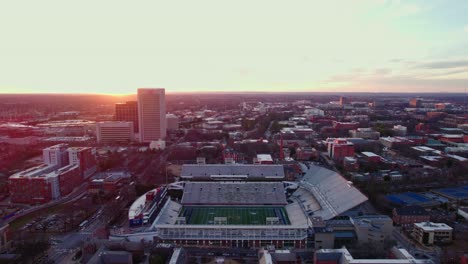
x=114, y=132
x=342, y=256
x=400, y=130
x=409, y=215
x=373, y=229
x=371, y=157
x=338, y=149
x=306, y=153
x=264, y=159
x=172, y=122
x=429, y=233
x=365, y=133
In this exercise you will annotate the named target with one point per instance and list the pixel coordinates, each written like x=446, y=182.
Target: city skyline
x=264, y=46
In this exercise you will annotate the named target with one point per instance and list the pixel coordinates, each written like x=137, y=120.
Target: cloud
x=383, y=71
x=465, y=29
x=443, y=64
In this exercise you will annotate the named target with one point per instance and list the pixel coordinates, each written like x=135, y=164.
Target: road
x=414, y=248
x=72, y=197
x=64, y=247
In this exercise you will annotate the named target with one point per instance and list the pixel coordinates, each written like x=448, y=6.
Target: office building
x=365, y=133
x=172, y=122
x=127, y=112
x=114, y=132
x=340, y=148
x=428, y=233
x=416, y=102
x=84, y=158
x=344, y=100
x=43, y=183
x=55, y=155
x=151, y=114
x=373, y=229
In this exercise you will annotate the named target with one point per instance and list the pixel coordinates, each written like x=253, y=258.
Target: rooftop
x=245, y=171
x=411, y=210
x=429, y=226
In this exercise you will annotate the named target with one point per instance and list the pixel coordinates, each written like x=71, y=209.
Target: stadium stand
x=231, y=172
x=234, y=193
x=333, y=192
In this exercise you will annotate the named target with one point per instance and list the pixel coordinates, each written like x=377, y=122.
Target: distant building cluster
x=144, y=120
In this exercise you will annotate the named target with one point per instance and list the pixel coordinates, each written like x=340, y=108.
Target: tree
x=275, y=127
x=292, y=152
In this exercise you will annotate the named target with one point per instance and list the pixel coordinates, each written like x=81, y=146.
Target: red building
x=407, y=216
x=109, y=182
x=84, y=158
x=452, y=138
x=31, y=186
x=464, y=259
x=338, y=149
x=371, y=157
x=127, y=112
x=43, y=183
x=69, y=178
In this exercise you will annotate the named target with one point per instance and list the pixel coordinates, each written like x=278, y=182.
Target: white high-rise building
x=151, y=114
x=56, y=155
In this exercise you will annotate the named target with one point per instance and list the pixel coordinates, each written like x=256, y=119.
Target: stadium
x=246, y=212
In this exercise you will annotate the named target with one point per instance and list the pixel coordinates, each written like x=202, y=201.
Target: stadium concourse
x=234, y=205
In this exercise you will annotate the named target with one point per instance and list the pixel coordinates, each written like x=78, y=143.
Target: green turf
x=201, y=215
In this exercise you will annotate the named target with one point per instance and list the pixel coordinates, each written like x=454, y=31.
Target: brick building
x=44, y=183
x=407, y=216
x=84, y=158
x=340, y=148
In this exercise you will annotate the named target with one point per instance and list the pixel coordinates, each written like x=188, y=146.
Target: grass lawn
x=201, y=215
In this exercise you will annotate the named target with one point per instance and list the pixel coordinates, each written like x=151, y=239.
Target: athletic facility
x=247, y=206
x=454, y=193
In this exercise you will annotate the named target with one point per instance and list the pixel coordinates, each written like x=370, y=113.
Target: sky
x=115, y=47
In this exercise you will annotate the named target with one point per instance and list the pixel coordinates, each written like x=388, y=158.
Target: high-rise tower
x=151, y=114
x=127, y=112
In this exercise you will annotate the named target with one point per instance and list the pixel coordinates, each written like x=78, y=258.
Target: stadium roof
x=234, y=193
x=333, y=192
x=223, y=171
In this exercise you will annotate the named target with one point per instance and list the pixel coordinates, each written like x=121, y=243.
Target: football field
x=201, y=215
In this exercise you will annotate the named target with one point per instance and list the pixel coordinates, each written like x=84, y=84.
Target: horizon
x=247, y=92
x=370, y=46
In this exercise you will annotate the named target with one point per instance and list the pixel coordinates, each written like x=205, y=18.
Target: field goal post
x=272, y=221
x=180, y=221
